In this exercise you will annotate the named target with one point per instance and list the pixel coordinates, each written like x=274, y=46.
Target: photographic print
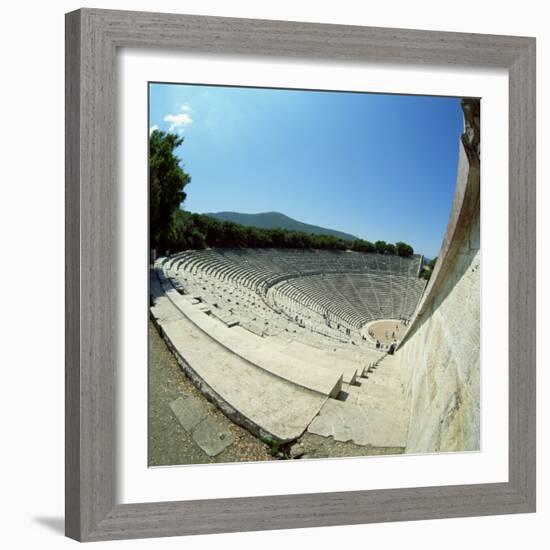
x=314, y=274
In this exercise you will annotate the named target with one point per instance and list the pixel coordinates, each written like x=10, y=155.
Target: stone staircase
x=278, y=386
x=256, y=386
x=373, y=412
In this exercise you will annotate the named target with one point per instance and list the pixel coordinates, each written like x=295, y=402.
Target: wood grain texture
x=522, y=274
x=92, y=37
x=72, y=276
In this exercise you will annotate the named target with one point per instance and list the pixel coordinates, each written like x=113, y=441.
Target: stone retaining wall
x=439, y=355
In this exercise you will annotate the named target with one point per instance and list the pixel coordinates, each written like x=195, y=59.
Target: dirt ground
x=169, y=443
x=387, y=331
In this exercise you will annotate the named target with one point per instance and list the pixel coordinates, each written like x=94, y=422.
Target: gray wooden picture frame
x=92, y=39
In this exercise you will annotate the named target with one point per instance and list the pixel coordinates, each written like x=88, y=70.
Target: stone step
x=349, y=369
x=258, y=352
x=364, y=424
x=380, y=374
x=385, y=391
x=378, y=378
x=363, y=355
x=255, y=327
x=252, y=397
x=226, y=318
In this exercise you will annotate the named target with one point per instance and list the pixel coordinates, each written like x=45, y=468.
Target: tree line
x=199, y=231
x=172, y=228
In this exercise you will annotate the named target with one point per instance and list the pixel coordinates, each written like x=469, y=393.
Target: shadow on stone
x=343, y=395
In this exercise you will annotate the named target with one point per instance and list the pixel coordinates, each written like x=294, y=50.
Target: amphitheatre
x=346, y=345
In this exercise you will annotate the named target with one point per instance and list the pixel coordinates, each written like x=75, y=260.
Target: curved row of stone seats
x=329, y=332
x=252, y=311
x=306, y=293
x=222, y=294
x=350, y=298
x=296, y=291
x=296, y=262
x=263, y=403
x=256, y=316
x=310, y=319
x=233, y=304
x=332, y=308
x=212, y=264
x=336, y=261
x=250, y=348
x=350, y=369
x=222, y=263
x=192, y=333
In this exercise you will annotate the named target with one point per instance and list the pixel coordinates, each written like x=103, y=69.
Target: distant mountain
x=276, y=220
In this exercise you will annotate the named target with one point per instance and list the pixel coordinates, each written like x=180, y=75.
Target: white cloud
x=179, y=121
x=153, y=128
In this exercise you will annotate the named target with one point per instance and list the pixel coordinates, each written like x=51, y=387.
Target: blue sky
x=377, y=166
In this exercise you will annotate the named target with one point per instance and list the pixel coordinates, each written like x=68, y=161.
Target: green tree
x=234, y=234
x=380, y=246
x=427, y=269
x=253, y=237
x=196, y=231
x=167, y=181
x=404, y=249
x=359, y=245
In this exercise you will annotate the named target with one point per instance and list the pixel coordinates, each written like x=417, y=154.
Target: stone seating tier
x=331, y=293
